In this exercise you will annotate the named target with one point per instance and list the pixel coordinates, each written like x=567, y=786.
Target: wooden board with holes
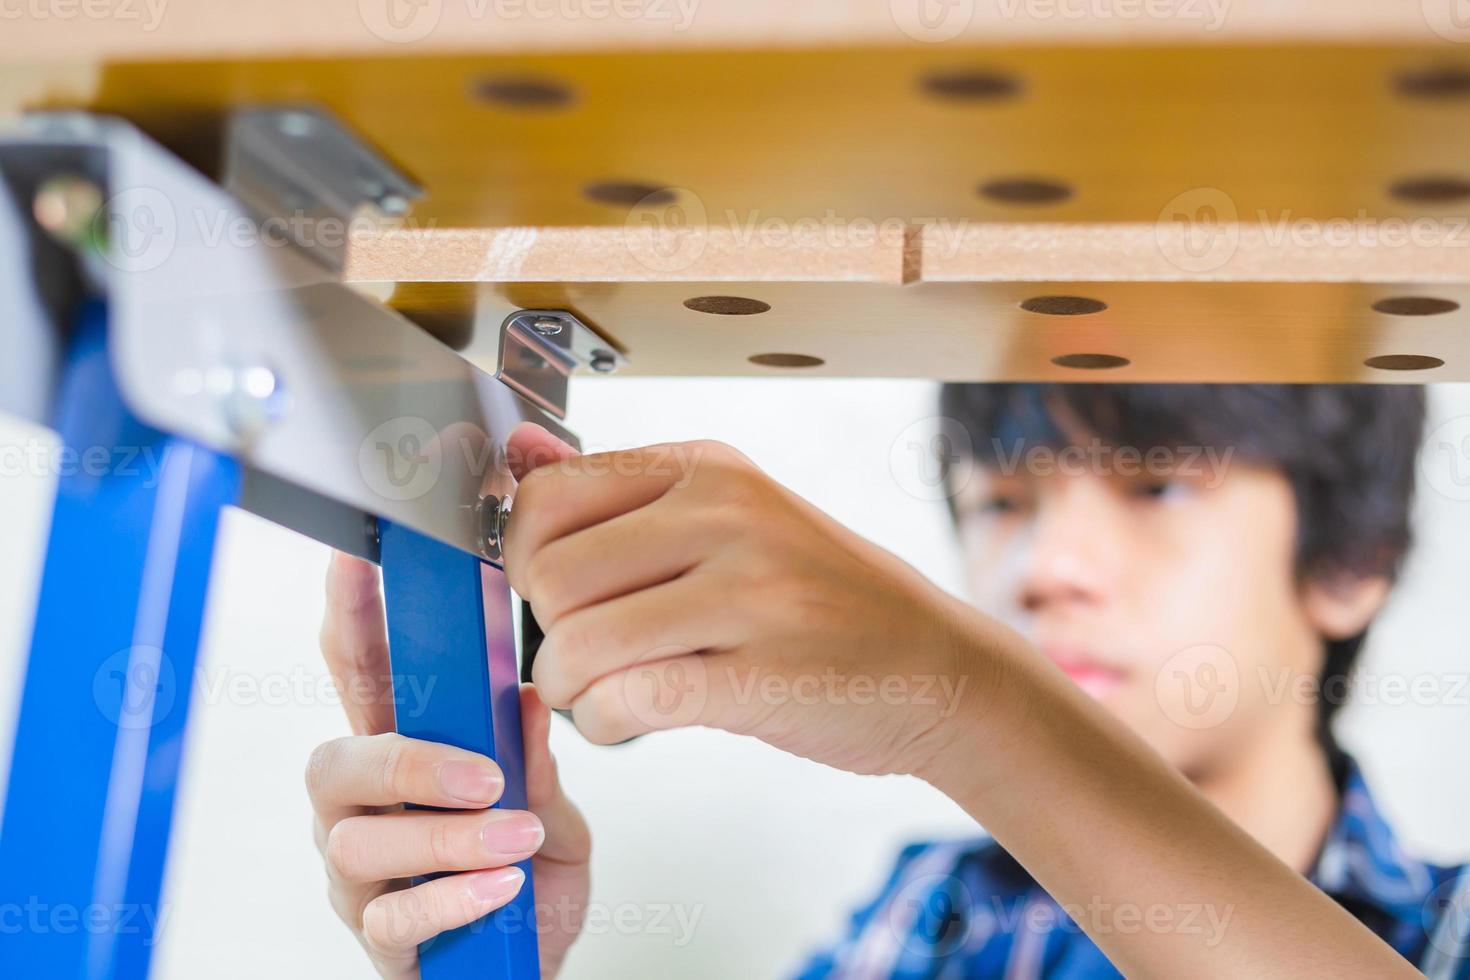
x=1283, y=198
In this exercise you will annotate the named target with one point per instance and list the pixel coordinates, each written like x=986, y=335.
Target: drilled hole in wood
x=1090, y=362
x=1025, y=190
x=786, y=360
x=727, y=305
x=970, y=85
x=1415, y=306
x=1063, y=305
x=1404, y=362
x=629, y=194
x=1438, y=82
x=1431, y=190
x=523, y=93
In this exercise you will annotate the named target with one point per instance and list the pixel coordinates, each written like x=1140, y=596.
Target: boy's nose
x=1074, y=549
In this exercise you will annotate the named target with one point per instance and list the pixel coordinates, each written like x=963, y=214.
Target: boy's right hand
x=372, y=845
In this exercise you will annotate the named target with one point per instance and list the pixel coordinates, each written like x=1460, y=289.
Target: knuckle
x=393, y=763
x=443, y=846
x=529, y=493
x=598, y=713
x=384, y=926
x=717, y=452
x=545, y=582
x=322, y=765
x=556, y=663
x=341, y=849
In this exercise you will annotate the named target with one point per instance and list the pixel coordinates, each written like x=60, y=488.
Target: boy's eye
x=1159, y=489
x=1001, y=504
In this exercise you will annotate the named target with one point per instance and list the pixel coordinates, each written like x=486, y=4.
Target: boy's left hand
x=679, y=585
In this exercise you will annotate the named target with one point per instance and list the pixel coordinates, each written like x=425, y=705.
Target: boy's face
x=1171, y=596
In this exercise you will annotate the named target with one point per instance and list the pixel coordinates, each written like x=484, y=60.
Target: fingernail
x=471, y=782
x=498, y=886
x=513, y=832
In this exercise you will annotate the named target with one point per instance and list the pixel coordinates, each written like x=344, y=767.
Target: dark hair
x=1347, y=450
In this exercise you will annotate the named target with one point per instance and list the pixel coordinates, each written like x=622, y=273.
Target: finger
x=693, y=612
x=407, y=843
x=632, y=551
x=529, y=446
x=358, y=771
x=349, y=900
x=395, y=923
x=354, y=641
x=696, y=689
x=567, y=838
x=555, y=501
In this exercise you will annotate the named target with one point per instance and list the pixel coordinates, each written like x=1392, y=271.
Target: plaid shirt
x=967, y=909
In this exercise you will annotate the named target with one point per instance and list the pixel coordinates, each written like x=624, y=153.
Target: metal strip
x=100, y=734
x=452, y=646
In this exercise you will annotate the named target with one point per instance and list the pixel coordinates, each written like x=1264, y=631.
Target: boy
x=1197, y=544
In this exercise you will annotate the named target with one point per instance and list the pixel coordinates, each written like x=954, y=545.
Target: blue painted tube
x=106, y=694
x=453, y=655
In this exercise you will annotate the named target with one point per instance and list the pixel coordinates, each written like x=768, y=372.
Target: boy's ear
x=1342, y=606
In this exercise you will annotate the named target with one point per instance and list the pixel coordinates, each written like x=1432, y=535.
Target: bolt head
x=494, y=516
x=66, y=207
x=393, y=205
x=547, y=326
x=603, y=362
x=296, y=124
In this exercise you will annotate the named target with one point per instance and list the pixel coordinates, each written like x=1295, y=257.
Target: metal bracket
x=306, y=173
x=241, y=342
x=539, y=350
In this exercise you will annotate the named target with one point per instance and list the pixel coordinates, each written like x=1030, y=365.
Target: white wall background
x=763, y=852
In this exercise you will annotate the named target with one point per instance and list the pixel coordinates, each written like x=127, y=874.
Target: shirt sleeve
x=869, y=947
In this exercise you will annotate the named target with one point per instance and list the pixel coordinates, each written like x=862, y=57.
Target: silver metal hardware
x=382, y=418
x=309, y=176
x=537, y=360
x=494, y=519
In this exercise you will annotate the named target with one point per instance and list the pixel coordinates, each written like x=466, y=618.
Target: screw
x=603, y=362
x=250, y=397
x=494, y=518
x=297, y=124
x=393, y=205
x=547, y=326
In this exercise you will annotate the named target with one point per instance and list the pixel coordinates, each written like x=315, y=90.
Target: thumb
x=530, y=446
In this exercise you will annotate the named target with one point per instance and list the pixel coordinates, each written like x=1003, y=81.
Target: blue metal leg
x=106, y=694
x=453, y=657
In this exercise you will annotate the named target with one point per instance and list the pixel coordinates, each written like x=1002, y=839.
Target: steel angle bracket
x=229, y=327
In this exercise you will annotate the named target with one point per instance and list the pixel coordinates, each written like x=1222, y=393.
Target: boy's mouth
x=1092, y=675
